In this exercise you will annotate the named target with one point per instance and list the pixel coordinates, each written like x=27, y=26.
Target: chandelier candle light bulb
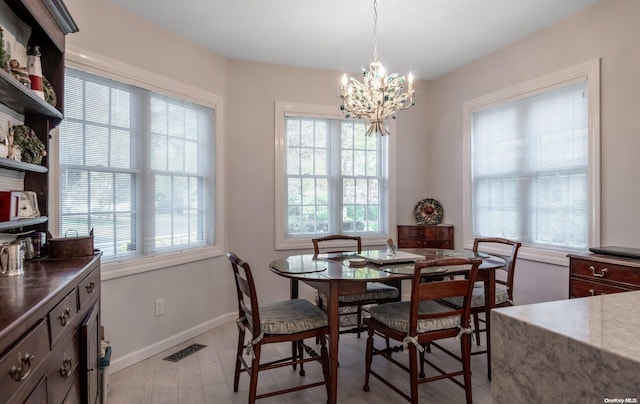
x=379, y=96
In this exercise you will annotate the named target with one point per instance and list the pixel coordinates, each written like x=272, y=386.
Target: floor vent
x=183, y=353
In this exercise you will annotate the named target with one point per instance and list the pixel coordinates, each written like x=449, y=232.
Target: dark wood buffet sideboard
x=596, y=274
x=425, y=236
x=49, y=332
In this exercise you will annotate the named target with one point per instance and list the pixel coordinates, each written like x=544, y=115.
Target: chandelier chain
x=375, y=30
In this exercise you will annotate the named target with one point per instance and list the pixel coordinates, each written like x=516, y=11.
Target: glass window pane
x=72, y=143
x=121, y=108
x=159, y=153
x=120, y=149
x=98, y=141
x=102, y=193
x=176, y=154
x=97, y=103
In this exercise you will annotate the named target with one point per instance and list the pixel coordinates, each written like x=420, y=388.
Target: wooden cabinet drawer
x=425, y=236
x=63, y=370
x=584, y=288
x=39, y=394
x=88, y=287
x=19, y=364
x=61, y=317
x=600, y=271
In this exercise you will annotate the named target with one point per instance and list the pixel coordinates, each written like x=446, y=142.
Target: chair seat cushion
x=291, y=316
x=375, y=291
x=478, y=296
x=396, y=315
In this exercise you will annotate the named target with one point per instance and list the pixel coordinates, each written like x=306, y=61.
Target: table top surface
x=355, y=267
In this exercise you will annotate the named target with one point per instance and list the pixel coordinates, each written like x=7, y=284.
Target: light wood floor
x=207, y=376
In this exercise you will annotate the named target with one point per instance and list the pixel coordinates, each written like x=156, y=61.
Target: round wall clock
x=428, y=211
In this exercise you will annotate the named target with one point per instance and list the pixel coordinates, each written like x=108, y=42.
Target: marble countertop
x=582, y=350
x=607, y=322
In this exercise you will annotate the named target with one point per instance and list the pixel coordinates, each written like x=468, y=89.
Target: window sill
x=134, y=266
x=536, y=254
x=306, y=244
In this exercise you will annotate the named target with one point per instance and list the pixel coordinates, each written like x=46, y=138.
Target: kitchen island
x=584, y=350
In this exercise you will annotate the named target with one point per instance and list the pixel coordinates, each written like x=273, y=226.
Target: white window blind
x=335, y=178
x=530, y=169
x=136, y=167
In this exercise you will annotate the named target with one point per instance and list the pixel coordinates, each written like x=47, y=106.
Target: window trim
x=328, y=112
x=589, y=71
x=115, y=70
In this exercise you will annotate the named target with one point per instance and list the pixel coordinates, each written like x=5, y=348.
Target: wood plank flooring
x=207, y=376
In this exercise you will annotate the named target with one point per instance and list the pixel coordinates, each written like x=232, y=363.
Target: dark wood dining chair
x=377, y=292
x=421, y=321
x=286, y=321
x=504, y=283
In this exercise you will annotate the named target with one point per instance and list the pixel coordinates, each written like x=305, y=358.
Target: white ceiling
x=428, y=37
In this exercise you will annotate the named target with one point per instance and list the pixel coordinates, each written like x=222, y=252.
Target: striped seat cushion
x=375, y=291
x=478, y=296
x=291, y=316
x=396, y=316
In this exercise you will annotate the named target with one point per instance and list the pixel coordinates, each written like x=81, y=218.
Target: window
x=332, y=177
x=532, y=173
x=135, y=166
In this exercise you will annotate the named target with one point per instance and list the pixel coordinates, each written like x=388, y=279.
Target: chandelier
x=380, y=95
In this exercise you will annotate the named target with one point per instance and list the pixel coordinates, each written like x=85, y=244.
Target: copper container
x=68, y=247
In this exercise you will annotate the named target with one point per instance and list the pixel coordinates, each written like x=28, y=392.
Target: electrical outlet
x=159, y=307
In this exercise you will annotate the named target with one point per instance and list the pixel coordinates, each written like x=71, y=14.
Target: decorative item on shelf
x=13, y=150
x=28, y=205
x=428, y=211
x=19, y=73
x=9, y=201
x=34, y=67
x=4, y=55
x=379, y=96
x=4, y=145
x=49, y=93
x=31, y=148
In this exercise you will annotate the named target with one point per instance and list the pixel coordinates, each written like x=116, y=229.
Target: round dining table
x=339, y=274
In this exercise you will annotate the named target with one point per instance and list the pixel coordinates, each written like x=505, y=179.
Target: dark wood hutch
x=50, y=314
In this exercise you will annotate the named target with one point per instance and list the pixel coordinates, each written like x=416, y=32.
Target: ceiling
x=428, y=37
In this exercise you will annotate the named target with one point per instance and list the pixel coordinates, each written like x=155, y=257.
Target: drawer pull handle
x=601, y=274
x=65, y=369
x=64, y=317
x=593, y=292
x=21, y=372
x=91, y=287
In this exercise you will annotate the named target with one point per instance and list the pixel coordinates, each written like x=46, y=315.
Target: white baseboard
x=154, y=349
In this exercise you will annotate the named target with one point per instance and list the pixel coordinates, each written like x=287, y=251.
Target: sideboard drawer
x=63, y=370
x=605, y=272
x=584, y=288
x=61, y=316
x=89, y=287
x=21, y=362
